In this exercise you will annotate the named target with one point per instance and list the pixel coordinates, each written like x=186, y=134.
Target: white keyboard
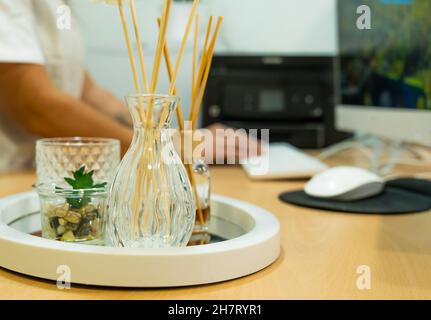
x=283, y=161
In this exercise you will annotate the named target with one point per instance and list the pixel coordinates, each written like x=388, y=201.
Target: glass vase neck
x=151, y=111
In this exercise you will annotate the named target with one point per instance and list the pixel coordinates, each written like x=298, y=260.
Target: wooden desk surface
x=321, y=252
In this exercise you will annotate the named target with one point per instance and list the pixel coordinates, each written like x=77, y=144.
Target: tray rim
x=253, y=234
x=263, y=240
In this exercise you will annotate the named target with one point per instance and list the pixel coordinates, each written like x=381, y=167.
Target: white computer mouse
x=345, y=184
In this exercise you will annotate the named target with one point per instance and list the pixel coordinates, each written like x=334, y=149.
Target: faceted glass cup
x=58, y=158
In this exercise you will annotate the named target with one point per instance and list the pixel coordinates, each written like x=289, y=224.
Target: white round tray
x=248, y=242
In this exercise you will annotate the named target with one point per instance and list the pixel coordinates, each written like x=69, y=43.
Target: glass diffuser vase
x=151, y=203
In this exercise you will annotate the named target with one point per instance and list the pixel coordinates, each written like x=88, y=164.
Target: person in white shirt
x=45, y=90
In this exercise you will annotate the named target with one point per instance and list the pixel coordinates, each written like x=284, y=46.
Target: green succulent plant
x=82, y=180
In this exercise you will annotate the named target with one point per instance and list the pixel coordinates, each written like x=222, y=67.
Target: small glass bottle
x=202, y=177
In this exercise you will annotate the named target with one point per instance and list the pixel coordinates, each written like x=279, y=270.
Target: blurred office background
x=280, y=65
x=251, y=27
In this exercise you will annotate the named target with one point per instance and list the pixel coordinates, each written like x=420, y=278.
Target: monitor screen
x=388, y=65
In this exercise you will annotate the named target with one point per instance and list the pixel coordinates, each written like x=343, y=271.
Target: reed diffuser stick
x=129, y=47
x=137, y=84
x=207, y=35
x=149, y=157
x=208, y=58
x=183, y=45
x=189, y=166
x=196, y=84
x=160, y=43
x=168, y=62
x=180, y=53
x=158, y=56
x=195, y=50
x=200, y=78
x=139, y=44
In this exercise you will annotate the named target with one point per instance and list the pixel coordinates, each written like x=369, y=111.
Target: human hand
x=225, y=148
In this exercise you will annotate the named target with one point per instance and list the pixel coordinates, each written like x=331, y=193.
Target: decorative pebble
x=60, y=213
x=72, y=226
x=88, y=208
x=61, y=230
x=72, y=217
x=66, y=223
x=68, y=236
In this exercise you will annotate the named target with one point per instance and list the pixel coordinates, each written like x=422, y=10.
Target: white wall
x=295, y=27
x=284, y=27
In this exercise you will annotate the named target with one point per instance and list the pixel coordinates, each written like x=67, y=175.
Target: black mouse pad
x=406, y=195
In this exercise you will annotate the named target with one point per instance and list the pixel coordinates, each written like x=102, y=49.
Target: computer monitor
x=385, y=72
